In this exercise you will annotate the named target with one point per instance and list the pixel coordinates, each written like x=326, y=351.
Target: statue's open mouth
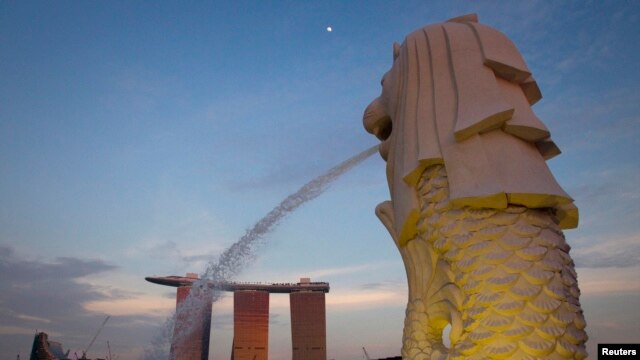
x=377, y=122
x=385, y=128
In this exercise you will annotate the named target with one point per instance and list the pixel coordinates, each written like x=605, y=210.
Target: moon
x=329, y=29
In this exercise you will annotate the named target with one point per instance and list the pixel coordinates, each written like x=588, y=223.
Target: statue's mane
x=460, y=94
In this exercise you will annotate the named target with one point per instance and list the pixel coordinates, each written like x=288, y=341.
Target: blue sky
x=142, y=138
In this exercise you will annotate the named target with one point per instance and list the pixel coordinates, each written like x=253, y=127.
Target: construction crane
x=111, y=357
x=365, y=353
x=84, y=353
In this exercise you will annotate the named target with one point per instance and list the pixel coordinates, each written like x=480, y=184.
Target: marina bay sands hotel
x=250, y=317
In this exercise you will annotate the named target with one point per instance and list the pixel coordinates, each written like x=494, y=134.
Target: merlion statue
x=475, y=212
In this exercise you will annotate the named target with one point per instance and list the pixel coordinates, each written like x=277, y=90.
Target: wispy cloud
x=612, y=281
x=613, y=258
x=321, y=273
x=618, y=252
x=366, y=299
x=584, y=119
x=19, y=330
x=196, y=255
x=184, y=238
x=371, y=286
x=613, y=184
x=33, y=318
x=139, y=305
x=331, y=274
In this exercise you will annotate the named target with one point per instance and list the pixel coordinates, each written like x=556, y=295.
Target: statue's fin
x=384, y=211
x=568, y=216
x=396, y=50
x=531, y=90
x=501, y=54
x=465, y=18
x=547, y=148
x=524, y=123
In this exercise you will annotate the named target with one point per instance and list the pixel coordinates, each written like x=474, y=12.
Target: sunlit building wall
x=308, y=326
x=250, y=325
x=191, y=341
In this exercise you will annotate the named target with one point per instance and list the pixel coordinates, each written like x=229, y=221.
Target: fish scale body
x=502, y=278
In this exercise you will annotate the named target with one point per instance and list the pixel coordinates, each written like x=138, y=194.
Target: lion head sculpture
x=459, y=93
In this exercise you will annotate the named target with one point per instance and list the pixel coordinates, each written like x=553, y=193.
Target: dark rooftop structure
x=278, y=288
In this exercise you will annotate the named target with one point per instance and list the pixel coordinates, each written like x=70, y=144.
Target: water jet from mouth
x=239, y=254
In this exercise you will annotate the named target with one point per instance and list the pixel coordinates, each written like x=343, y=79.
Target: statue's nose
x=376, y=120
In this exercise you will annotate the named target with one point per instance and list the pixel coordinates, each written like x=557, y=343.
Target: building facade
x=308, y=326
x=250, y=325
x=192, y=325
x=250, y=317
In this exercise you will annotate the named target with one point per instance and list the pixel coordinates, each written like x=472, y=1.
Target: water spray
x=235, y=258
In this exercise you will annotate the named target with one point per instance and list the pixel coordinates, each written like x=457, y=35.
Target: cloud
x=33, y=318
x=612, y=281
x=371, y=286
x=618, y=183
x=47, y=290
x=18, y=330
x=140, y=305
x=343, y=270
x=194, y=255
x=50, y=296
x=619, y=252
x=351, y=300
x=334, y=275
x=17, y=270
x=583, y=119
x=618, y=258
x=201, y=235
x=380, y=285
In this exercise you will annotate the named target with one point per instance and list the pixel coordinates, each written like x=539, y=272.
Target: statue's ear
x=396, y=50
